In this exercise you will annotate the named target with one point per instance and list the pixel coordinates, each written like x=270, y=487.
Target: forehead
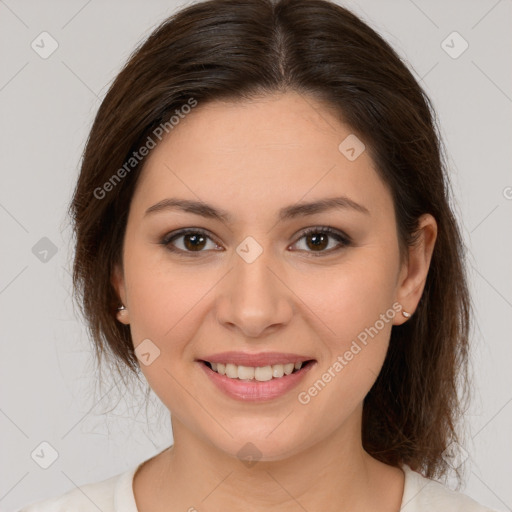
x=271, y=150
x=280, y=121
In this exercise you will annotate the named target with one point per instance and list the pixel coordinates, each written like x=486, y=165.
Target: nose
x=255, y=297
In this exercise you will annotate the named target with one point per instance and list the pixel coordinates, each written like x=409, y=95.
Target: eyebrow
x=286, y=213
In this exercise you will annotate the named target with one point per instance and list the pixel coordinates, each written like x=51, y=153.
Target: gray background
x=49, y=390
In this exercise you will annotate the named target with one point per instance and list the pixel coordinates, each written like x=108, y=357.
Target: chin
x=264, y=443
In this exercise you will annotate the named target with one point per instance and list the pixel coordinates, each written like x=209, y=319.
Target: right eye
x=193, y=241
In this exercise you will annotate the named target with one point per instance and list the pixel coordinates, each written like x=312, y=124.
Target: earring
x=122, y=313
x=407, y=315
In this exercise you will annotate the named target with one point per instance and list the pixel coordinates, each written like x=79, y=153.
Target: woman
x=262, y=220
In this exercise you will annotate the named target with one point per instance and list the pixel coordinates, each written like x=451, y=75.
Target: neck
x=335, y=474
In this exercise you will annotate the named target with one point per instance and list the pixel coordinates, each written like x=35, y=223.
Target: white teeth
x=231, y=371
x=263, y=373
x=277, y=371
x=246, y=372
x=259, y=373
x=288, y=368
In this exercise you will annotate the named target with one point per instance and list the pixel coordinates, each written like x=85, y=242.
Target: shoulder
x=107, y=495
x=424, y=495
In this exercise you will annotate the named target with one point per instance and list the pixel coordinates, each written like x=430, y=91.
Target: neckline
x=124, y=497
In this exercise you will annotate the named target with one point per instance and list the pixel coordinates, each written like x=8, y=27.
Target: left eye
x=318, y=238
x=195, y=240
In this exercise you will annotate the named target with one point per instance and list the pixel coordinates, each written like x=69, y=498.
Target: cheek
x=357, y=310
x=351, y=297
x=164, y=304
x=162, y=295
x=358, y=307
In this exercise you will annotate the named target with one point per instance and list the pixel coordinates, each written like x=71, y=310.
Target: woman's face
x=252, y=283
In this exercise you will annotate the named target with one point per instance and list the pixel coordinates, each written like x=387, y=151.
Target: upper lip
x=256, y=359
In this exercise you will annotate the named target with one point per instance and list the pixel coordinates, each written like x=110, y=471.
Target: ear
x=413, y=274
x=117, y=281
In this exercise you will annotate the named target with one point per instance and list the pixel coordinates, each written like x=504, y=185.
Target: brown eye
x=318, y=239
x=194, y=242
x=188, y=241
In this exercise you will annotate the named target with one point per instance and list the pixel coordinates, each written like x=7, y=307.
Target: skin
x=252, y=159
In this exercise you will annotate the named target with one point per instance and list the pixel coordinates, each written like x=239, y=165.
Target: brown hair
x=239, y=49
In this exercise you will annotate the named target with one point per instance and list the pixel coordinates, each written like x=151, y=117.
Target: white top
x=116, y=495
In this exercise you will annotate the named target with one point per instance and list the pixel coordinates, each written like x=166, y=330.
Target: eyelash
x=343, y=239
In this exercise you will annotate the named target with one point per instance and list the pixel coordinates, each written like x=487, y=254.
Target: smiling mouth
x=257, y=373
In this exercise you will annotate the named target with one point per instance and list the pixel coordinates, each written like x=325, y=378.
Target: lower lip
x=253, y=390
